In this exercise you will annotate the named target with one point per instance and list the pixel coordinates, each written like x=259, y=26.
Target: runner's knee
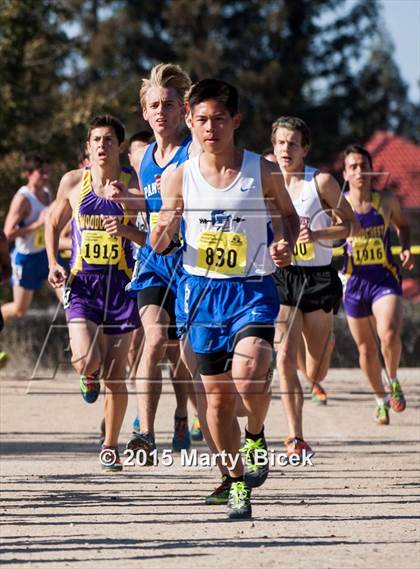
x=389, y=337
x=367, y=350
x=287, y=363
x=19, y=311
x=155, y=344
x=222, y=404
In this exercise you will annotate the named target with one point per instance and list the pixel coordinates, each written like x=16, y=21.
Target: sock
x=253, y=437
x=382, y=400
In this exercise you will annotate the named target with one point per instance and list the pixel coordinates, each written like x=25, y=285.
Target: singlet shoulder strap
x=147, y=156
x=85, y=187
x=24, y=191
x=310, y=173
x=377, y=202
x=125, y=175
x=310, y=177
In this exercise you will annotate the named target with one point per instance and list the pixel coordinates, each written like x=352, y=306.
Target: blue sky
x=402, y=18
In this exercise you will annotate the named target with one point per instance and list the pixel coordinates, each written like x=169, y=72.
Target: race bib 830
x=222, y=252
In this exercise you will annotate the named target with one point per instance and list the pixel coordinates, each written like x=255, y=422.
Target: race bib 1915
x=99, y=248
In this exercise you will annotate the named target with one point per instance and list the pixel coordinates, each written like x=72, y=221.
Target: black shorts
x=1, y=321
x=160, y=296
x=215, y=363
x=309, y=288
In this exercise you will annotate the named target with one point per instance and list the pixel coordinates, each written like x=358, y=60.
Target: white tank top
x=35, y=241
x=226, y=230
x=310, y=211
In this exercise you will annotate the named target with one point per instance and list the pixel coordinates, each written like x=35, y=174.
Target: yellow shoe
x=4, y=357
x=195, y=431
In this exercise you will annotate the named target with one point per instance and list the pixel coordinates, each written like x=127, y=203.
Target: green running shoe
x=239, y=502
x=90, y=387
x=195, y=431
x=4, y=358
x=396, y=397
x=220, y=495
x=110, y=460
x=382, y=414
x=256, y=462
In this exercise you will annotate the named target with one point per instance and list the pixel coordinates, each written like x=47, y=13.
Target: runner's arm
x=167, y=226
x=284, y=216
x=343, y=216
x=113, y=226
x=19, y=209
x=133, y=199
x=400, y=222
x=132, y=196
x=59, y=215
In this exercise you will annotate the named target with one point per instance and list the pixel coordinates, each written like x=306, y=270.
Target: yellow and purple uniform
x=368, y=265
x=101, y=264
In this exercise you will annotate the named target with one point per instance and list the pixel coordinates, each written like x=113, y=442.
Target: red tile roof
x=411, y=289
x=399, y=159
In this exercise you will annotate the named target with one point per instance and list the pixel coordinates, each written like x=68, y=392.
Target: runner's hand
x=167, y=221
x=406, y=259
x=281, y=253
x=115, y=190
x=306, y=235
x=112, y=225
x=57, y=276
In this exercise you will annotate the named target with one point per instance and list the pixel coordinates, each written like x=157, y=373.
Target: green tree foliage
x=329, y=61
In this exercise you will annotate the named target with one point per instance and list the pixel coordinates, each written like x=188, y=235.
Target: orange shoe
x=318, y=394
x=296, y=446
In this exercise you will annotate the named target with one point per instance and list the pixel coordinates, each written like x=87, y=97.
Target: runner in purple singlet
x=100, y=316
x=373, y=297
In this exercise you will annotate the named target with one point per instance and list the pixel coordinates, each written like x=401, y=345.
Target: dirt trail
x=358, y=506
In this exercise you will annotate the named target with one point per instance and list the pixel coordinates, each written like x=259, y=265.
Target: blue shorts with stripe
x=154, y=270
x=213, y=311
x=30, y=270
